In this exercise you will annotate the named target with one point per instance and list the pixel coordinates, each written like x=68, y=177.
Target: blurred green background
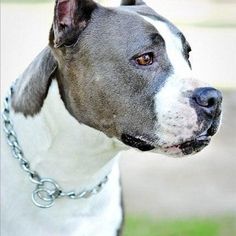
x=163, y=197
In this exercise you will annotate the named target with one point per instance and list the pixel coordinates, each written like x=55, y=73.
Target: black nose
x=208, y=99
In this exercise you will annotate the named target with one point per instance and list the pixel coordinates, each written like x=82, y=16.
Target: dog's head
x=126, y=72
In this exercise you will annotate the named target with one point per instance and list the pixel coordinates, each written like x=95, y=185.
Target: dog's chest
x=100, y=215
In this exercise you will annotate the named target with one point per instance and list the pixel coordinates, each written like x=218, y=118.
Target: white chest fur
x=77, y=157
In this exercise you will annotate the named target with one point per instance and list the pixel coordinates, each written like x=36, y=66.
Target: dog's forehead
x=176, y=44
x=136, y=25
x=127, y=32
x=158, y=21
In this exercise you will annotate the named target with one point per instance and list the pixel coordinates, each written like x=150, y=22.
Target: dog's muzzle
x=207, y=103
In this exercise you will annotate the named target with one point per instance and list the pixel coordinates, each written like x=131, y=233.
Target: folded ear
x=132, y=2
x=70, y=19
x=32, y=87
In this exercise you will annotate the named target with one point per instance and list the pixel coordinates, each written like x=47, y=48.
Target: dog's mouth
x=187, y=147
x=194, y=144
x=137, y=142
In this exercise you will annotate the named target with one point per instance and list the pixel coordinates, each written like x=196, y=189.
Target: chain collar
x=46, y=190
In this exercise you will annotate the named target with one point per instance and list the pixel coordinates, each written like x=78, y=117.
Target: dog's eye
x=145, y=59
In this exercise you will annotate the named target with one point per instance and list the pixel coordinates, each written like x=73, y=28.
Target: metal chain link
x=47, y=190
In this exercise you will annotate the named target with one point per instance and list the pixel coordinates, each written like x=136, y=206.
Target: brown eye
x=145, y=59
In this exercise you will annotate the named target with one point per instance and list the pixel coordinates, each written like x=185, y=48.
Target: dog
x=110, y=79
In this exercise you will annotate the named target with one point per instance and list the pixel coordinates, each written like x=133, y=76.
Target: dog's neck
x=58, y=147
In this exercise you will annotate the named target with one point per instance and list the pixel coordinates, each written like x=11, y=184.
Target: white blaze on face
x=177, y=120
x=174, y=49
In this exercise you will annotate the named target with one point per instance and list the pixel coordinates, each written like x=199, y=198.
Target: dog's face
x=126, y=72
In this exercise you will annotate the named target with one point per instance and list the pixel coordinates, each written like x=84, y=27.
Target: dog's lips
x=194, y=144
x=187, y=147
x=137, y=142
x=190, y=146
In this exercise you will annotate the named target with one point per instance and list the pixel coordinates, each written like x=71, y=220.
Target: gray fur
x=32, y=86
x=127, y=94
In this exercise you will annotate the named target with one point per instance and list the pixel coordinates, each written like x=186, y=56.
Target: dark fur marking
x=132, y=2
x=121, y=228
x=136, y=142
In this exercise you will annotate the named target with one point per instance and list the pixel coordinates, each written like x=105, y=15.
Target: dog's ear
x=32, y=87
x=132, y=2
x=70, y=19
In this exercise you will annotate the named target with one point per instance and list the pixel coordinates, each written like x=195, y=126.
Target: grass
x=142, y=226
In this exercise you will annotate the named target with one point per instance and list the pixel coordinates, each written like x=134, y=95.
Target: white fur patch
x=176, y=118
x=173, y=48
x=77, y=157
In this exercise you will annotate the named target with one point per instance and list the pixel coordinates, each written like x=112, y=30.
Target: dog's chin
x=191, y=146
x=196, y=144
